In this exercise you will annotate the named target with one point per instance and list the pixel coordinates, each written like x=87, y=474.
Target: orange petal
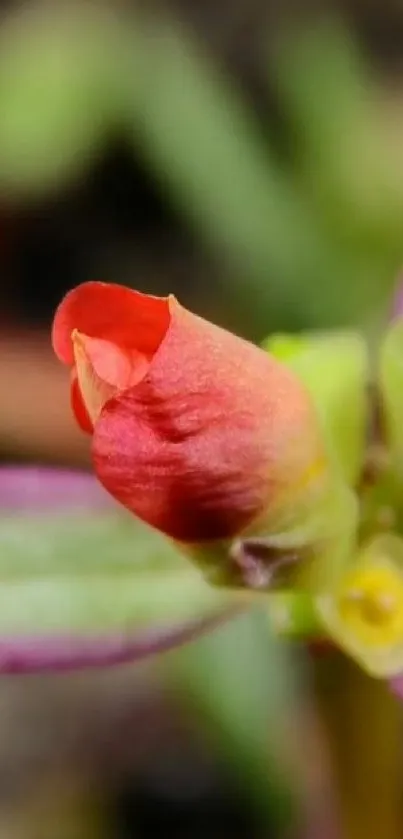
x=103, y=369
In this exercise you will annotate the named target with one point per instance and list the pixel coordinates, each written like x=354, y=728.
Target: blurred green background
x=246, y=156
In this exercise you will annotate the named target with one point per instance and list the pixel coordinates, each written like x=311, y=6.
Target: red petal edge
x=115, y=313
x=77, y=403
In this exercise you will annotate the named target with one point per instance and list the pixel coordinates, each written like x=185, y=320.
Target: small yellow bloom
x=364, y=614
x=370, y=602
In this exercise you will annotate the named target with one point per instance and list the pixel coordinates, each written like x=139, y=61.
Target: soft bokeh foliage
x=262, y=182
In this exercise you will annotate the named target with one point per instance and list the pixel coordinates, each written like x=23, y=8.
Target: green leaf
x=347, y=145
x=100, y=572
x=320, y=102
x=198, y=135
x=55, y=94
x=94, y=573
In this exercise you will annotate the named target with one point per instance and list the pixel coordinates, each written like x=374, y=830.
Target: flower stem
x=362, y=723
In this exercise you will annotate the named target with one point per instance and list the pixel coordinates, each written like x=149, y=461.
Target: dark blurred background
x=247, y=156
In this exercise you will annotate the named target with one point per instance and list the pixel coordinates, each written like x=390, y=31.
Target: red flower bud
x=196, y=431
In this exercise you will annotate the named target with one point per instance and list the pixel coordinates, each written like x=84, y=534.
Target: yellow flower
x=364, y=614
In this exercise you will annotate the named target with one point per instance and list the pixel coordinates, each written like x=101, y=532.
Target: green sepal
x=335, y=369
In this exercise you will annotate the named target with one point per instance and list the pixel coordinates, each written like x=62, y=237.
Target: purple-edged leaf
x=40, y=654
x=44, y=489
x=82, y=583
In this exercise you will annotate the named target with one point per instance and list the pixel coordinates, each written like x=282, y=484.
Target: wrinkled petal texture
x=213, y=433
x=210, y=431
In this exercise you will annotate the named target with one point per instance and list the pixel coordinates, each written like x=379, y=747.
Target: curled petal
x=127, y=318
x=103, y=369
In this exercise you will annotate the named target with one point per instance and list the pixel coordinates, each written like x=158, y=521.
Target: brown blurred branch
x=35, y=417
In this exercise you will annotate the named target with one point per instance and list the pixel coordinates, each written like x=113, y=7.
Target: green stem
x=293, y=615
x=362, y=724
